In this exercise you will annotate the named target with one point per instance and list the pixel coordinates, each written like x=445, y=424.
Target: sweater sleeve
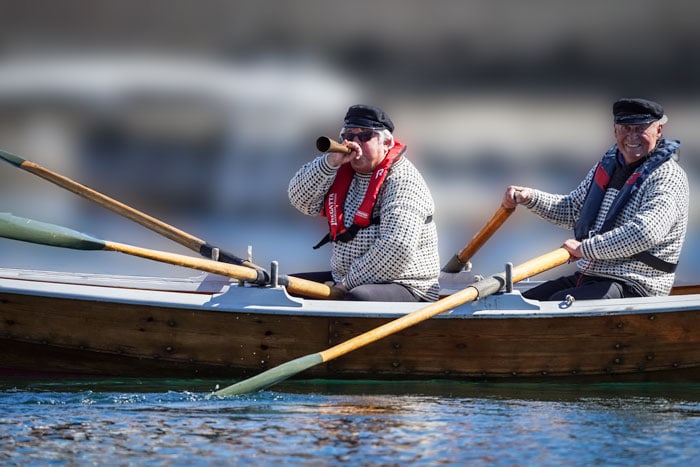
x=561, y=210
x=308, y=187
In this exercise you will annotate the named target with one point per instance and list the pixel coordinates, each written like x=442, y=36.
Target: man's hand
x=573, y=247
x=515, y=195
x=341, y=287
x=336, y=159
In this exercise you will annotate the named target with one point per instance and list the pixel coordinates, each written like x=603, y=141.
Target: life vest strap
x=346, y=236
x=351, y=231
x=655, y=262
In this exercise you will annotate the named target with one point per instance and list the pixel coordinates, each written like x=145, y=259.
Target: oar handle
x=160, y=227
x=540, y=264
x=458, y=261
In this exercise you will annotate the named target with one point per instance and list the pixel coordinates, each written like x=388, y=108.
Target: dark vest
x=609, y=170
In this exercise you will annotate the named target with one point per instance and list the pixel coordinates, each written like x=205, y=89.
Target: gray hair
x=388, y=137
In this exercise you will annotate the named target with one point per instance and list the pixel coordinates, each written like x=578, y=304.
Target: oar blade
x=27, y=230
x=11, y=158
x=270, y=377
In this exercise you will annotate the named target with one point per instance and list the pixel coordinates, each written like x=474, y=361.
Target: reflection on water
x=171, y=422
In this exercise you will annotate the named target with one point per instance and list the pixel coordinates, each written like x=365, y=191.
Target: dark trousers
x=581, y=287
x=367, y=292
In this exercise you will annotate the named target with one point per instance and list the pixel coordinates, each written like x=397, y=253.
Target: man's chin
x=633, y=156
x=360, y=168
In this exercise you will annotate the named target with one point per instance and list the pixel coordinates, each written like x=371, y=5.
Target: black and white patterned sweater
x=402, y=248
x=654, y=219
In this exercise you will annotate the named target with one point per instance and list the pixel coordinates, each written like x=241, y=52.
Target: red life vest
x=335, y=199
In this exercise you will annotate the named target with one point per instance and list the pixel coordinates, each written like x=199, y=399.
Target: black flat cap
x=368, y=116
x=636, y=111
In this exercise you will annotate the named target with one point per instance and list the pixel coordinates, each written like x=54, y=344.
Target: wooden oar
x=177, y=235
x=479, y=289
x=28, y=230
x=458, y=261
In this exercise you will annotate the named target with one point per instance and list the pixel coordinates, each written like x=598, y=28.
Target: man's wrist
x=329, y=163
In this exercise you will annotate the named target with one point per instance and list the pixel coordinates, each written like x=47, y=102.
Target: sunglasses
x=362, y=136
x=637, y=129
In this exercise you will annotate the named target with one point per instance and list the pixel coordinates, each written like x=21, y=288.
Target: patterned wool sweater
x=654, y=219
x=402, y=248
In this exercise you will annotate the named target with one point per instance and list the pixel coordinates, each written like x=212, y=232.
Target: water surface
x=173, y=422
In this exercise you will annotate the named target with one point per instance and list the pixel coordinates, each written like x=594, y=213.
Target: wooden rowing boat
x=245, y=320
x=213, y=326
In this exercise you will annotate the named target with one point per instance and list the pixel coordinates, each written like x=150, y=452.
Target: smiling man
x=379, y=211
x=629, y=215
x=638, y=127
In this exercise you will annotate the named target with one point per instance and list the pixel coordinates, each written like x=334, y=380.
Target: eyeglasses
x=363, y=136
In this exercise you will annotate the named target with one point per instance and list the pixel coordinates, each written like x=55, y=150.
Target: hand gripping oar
x=479, y=289
x=28, y=230
x=183, y=238
x=458, y=261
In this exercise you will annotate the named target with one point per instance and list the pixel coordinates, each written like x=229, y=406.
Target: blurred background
x=199, y=112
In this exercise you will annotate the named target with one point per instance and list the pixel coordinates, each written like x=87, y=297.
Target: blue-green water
x=167, y=422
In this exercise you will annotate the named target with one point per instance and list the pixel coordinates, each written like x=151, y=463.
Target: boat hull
x=78, y=333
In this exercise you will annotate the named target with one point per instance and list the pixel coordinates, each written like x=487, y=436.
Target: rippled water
x=166, y=422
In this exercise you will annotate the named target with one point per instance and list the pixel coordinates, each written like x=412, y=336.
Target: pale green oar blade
x=272, y=376
x=27, y=230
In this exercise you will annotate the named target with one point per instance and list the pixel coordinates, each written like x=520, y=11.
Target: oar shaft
x=118, y=207
x=160, y=227
x=295, y=285
x=458, y=261
x=229, y=270
x=288, y=369
x=472, y=292
x=399, y=324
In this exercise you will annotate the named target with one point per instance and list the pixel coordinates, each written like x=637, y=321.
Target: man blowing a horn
x=379, y=211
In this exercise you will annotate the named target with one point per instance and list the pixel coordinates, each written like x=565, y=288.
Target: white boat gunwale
x=214, y=293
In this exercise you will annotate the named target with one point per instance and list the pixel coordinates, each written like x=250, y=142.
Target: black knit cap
x=368, y=116
x=636, y=111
